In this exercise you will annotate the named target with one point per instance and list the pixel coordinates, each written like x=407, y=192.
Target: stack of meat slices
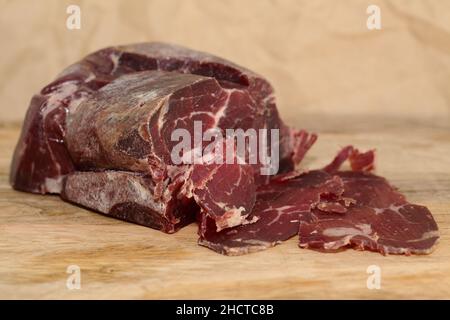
x=330, y=210
x=101, y=136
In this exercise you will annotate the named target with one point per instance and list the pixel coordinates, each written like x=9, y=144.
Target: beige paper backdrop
x=319, y=54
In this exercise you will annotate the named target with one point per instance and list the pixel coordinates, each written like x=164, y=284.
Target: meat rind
x=275, y=215
x=121, y=104
x=129, y=196
x=224, y=192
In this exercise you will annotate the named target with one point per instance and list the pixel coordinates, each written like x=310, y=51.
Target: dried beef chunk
x=41, y=158
x=129, y=196
x=275, y=216
x=380, y=219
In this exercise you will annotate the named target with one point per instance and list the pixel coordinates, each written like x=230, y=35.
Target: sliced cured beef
x=380, y=219
x=275, y=215
x=330, y=210
x=225, y=193
x=41, y=158
x=376, y=217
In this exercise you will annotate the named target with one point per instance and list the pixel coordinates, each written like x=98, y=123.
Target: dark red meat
x=380, y=219
x=101, y=135
x=225, y=193
x=275, y=216
x=41, y=159
x=116, y=110
x=359, y=161
x=330, y=211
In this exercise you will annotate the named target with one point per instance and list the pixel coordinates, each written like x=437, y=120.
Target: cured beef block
x=359, y=161
x=116, y=110
x=41, y=158
x=128, y=124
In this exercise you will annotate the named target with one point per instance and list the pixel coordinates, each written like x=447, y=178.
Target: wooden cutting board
x=40, y=236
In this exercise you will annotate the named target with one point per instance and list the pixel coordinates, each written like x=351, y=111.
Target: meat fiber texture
x=100, y=135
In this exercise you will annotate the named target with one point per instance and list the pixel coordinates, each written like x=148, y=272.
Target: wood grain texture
x=41, y=235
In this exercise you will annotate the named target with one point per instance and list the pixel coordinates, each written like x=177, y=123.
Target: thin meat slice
x=224, y=192
x=380, y=219
x=302, y=141
x=359, y=161
x=275, y=216
x=104, y=135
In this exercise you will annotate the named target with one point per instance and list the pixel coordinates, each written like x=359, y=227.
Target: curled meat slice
x=359, y=161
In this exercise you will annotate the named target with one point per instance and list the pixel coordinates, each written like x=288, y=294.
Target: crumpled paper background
x=319, y=55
